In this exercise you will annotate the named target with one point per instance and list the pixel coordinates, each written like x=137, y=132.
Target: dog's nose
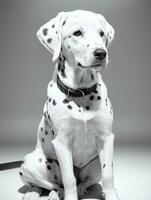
x=100, y=54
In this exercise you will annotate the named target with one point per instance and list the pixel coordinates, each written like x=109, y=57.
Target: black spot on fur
x=61, y=186
x=49, y=160
x=68, y=47
x=40, y=159
x=48, y=167
x=46, y=132
x=53, y=25
x=88, y=45
x=49, y=100
x=64, y=23
x=55, y=177
x=20, y=173
x=54, y=102
x=102, y=33
x=49, y=117
x=79, y=110
x=106, y=101
x=46, y=122
x=87, y=107
x=91, y=97
x=95, y=91
x=104, y=165
x=45, y=31
x=66, y=101
x=51, y=85
x=53, y=133
x=64, y=58
x=41, y=129
x=63, y=72
x=59, y=67
x=43, y=140
x=49, y=40
x=92, y=77
x=69, y=106
x=99, y=98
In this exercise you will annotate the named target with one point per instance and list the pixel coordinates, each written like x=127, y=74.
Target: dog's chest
x=80, y=119
x=84, y=136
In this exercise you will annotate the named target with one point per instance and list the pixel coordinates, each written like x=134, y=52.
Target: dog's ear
x=50, y=34
x=108, y=29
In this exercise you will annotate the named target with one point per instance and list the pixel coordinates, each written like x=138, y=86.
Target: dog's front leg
x=64, y=155
x=106, y=159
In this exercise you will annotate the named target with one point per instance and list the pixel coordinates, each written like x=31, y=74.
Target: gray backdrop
x=26, y=67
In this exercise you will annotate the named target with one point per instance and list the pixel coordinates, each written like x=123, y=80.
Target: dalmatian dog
x=74, y=147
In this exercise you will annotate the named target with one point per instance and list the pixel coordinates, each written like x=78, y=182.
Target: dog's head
x=82, y=36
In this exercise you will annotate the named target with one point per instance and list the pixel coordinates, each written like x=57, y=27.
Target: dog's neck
x=74, y=77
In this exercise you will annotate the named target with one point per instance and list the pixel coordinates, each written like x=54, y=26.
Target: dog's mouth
x=93, y=66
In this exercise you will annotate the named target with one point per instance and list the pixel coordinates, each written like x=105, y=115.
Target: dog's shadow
x=94, y=192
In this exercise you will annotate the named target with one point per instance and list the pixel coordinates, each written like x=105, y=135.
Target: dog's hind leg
x=37, y=173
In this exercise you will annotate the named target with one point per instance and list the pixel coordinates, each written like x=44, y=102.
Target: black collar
x=79, y=92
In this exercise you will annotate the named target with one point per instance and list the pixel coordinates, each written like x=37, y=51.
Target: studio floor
x=132, y=168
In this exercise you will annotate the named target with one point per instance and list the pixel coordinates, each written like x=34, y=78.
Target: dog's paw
x=53, y=195
x=82, y=189
x=32, y=194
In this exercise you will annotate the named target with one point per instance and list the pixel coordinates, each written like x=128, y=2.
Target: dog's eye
x=102, y=33
x=77, y=33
